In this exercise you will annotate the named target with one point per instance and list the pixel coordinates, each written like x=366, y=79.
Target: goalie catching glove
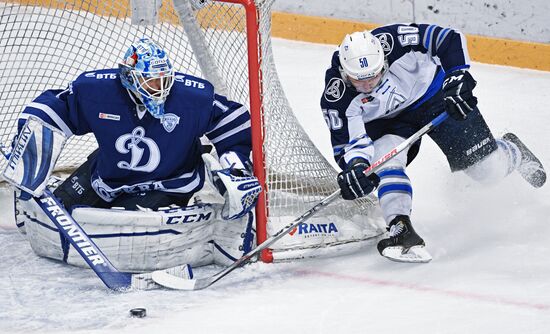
x=354, y=183
x=457, y=90
x=239, y=188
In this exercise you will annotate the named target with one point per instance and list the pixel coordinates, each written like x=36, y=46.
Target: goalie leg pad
x=134, y=241
x=233, y=239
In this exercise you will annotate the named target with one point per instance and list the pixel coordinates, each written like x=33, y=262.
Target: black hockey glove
x=354, y=183
x=457, y=91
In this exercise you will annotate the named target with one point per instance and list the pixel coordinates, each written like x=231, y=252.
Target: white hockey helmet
x=361, y=55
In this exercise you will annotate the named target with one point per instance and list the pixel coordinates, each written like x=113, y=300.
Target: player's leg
x=395, y=197
x=512, y=154
x=530, y=167
x=470, y=146
x=395, y=189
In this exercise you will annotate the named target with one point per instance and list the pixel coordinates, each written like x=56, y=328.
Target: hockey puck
x=138, y=312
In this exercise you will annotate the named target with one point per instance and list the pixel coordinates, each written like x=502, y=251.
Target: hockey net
x=44, y=44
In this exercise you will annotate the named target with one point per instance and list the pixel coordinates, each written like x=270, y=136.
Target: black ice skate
x=530, y=168
x=403, y=245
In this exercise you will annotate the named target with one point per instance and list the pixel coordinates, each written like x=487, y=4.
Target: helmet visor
x=154, y=85
x=367, y=85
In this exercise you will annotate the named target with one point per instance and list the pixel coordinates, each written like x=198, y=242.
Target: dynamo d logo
x=136, y=143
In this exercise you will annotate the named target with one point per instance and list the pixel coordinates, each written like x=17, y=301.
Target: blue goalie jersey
x=418, y=56
x=145, y=153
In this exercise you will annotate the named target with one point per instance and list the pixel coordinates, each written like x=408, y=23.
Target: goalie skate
x=530, y=167
x=403, y=244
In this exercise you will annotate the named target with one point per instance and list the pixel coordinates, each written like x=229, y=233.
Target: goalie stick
x=91, y=253
x=173, y=282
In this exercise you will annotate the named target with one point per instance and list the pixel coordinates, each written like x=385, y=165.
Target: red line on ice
x=420, y=288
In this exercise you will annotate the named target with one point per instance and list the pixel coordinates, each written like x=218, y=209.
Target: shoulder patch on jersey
x=335, y=89
x=169, y=122
x=386, y=39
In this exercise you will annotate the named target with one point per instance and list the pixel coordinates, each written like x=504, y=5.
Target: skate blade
x=415, y=254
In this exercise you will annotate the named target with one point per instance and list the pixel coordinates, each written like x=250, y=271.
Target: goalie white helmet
x=362, y=60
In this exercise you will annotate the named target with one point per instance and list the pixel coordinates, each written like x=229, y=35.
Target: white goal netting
x=45, y=44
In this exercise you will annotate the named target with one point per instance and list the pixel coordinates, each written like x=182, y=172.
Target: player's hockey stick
x=173, y=282
x=90, y=252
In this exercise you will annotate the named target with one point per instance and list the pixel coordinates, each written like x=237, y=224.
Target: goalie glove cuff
x=234, y=161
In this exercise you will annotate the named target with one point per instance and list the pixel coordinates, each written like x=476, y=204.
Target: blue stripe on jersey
x=434, y=87
x=428, y=39
x=45, y=109
x=394, y=187
x=338, y=149
x=232, y=121
x=228, y=118
x=355, y=140
x=381, y=85
x=465, y=66
x=441, y=37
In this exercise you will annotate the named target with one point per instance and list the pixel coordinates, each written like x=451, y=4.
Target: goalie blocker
x=34, y=155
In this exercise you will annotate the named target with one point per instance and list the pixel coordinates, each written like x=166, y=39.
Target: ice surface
x=490, y=272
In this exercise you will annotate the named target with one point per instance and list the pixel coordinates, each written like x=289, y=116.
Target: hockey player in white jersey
x=148, y=121
x=383, y=86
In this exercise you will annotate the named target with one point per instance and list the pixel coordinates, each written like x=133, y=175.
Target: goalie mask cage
x=45, y=44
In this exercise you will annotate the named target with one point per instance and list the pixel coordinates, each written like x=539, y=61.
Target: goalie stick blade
x=177, y=283
x=145, y=281
x=415, y=254
x=177, y=278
